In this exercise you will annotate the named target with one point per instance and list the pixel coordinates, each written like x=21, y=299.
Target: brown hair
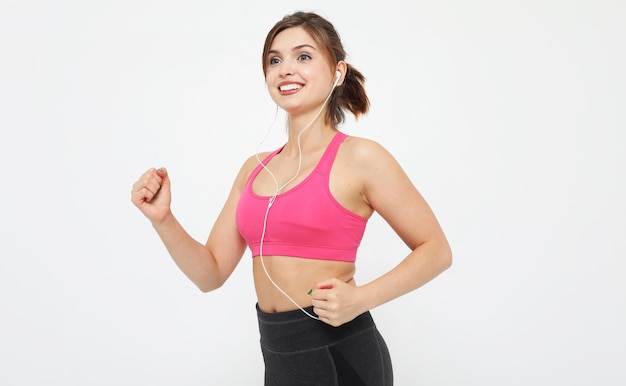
x=351, y=94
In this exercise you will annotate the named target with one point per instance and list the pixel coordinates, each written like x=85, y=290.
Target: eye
x=273, y=60
x=304, y=57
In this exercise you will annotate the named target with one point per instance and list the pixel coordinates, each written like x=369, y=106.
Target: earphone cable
x=277, y=191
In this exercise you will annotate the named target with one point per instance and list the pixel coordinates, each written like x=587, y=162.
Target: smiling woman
x=302, y=211
x=318, y=41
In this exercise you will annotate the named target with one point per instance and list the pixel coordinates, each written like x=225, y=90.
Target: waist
x=296, y=277
x=295, y=331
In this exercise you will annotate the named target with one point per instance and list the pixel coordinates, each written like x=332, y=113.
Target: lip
x=290, y=91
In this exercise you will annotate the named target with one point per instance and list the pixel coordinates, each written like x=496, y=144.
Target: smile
x=290, y=87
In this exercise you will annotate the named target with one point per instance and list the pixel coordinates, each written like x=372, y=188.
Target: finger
x=321, y=312
x=151, y=181
x=164, y=179
x=145, y=188
x=319, y=295
x=326, y=318
x=162, y=172
x=322, y=290
x=141, y=196
x=326, y=284
x=319, y=304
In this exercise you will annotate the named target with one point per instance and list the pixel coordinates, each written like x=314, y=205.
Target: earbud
x=337, y=77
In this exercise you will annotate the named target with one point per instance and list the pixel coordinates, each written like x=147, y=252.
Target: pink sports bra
x=305, y=221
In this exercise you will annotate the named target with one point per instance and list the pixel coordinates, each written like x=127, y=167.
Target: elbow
x=206, y=287
x=442, y=258
x=446, y=258
x=447, y=261
x=209, y=279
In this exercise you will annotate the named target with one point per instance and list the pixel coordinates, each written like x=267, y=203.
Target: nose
x=286, y=69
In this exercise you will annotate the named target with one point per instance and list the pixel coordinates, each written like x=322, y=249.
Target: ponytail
x=350, y=96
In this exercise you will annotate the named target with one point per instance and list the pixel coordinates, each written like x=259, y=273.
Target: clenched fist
x=152, y=195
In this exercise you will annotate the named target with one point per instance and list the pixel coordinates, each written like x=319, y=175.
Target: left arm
x=389, y=191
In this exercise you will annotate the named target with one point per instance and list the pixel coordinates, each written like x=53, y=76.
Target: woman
x=302, y=211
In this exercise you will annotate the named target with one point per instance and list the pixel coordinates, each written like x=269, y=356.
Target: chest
x=332, y=173
x=281, y=174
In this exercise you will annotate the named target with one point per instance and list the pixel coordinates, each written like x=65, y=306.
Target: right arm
x=209, y=265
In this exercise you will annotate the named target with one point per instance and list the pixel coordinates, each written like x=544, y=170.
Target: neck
x=313, y=134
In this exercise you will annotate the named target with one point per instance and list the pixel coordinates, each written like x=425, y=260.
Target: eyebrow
x=296, y=48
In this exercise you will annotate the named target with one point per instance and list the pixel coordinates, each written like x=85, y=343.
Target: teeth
x=291, y=86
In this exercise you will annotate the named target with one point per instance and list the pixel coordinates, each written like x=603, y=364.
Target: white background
x=507, y=115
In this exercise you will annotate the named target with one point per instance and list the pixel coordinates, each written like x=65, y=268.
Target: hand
x=336, y=302
x=152, y=195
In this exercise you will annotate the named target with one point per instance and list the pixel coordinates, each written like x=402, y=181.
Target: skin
x=364, y=178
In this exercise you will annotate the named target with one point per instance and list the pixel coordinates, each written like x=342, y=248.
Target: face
x=298, y=75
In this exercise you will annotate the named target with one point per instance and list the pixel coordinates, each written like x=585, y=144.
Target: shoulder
x=372, y=163
x=248, y=167
x=368, y=162
x=365, y=152
x=253, y=161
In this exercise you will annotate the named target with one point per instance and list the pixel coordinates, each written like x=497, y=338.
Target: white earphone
x=280, y=188
x=337, y=77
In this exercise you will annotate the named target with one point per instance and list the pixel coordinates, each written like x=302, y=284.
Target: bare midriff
x=296, y=276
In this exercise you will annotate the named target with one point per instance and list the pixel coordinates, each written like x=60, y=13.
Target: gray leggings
x=299, y=350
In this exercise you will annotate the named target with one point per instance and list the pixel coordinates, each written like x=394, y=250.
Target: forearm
x=421, y=266
x=191, y=256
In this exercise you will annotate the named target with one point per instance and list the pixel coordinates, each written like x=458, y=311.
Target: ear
x=343, y=68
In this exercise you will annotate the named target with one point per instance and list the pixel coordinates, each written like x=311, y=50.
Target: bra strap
x=331, y=151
